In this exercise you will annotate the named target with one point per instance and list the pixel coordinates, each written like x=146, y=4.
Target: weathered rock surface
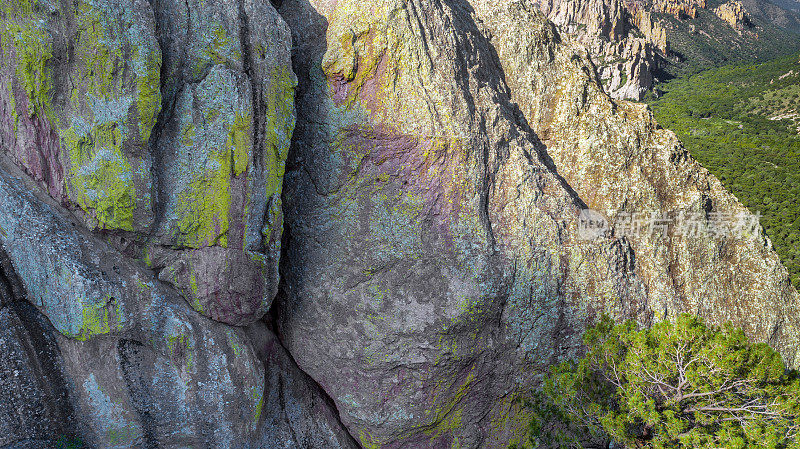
x=79, y=97
x=128, y=363
x=221, y=151
x=143, y=366
x=433, y=266
x=618, y=160
x=299, y=413
x=623, y=39
x=433, y=262
x=35, y=410
x=653, y=31
x=734, y=14
x=194, y=188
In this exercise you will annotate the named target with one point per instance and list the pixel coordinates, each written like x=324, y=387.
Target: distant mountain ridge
x=636, y=43
x=791, y=5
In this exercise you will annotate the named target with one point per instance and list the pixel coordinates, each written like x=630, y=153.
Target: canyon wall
x=336, y=224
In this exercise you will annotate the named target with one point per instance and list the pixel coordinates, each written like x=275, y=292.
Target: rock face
x=97, y=179
x=145, y=368
x=625, y=42
x=618, y=160
x=79, y=100
x=734, y=14
x=221, y=153
x=681, y=9
x=125, y=360
x=442, y=155
x=652, y=30
x=35, y=410
x=193, y=187
x=435, y=260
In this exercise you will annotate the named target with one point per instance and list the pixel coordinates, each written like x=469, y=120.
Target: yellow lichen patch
x=26, y=37
x=148, y=87
x=446, y=415
x=97, y=319
x=240, y=141
x=279, y=102
x=100, y=178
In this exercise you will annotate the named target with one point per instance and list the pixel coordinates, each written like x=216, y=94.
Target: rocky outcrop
x=619, y=160
x=734, y=14
x=653, y=31
x=145, y=368
x=606, y=18
x=194, y=187
x=126, y=361
x=623, y=40
x=435, y=260
x=115, y=354
x=681, y=9
x=434, y=266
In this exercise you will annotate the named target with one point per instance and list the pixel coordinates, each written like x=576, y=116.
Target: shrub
x=674, y=385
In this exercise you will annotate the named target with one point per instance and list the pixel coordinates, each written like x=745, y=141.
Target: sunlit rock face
x=434, y=267
x=625, y=43
x=734, y=14
x=618, y=160
x=424, y=171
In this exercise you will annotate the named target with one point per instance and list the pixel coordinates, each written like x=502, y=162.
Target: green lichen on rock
x=280, y=118
x=100, y=176
x=108, y=93
x=204, y=205
x=148, y=86
x=27, y=38
x=208, y=153
x=98, y=53
x=97, y=319
x=240, y=139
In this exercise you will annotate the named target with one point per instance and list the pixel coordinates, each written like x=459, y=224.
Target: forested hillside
x=741, y=122
x=706, y=42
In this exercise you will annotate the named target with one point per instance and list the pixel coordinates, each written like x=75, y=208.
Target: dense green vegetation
x=741, y=123
x=674, y=385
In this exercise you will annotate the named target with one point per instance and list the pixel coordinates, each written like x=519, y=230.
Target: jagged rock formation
x=629, y=41
x=617, y=159
x=734, y=14
x=433, y=264
x=653, y=31
x=221, y=150
x=626, y=60
x=681, y=9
